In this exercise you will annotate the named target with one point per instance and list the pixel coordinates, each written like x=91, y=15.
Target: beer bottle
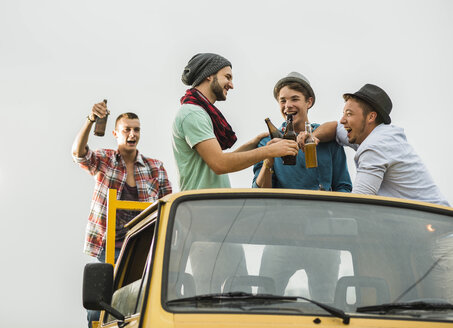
x=310, y=148
x=291, y=135
x=273, y=131
x=101, y=123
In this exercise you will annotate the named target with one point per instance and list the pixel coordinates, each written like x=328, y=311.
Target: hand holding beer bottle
x=311, y=159
x=290, y=134
x=101, y=122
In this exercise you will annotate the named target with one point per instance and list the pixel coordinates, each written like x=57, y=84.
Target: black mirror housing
x=97, y=285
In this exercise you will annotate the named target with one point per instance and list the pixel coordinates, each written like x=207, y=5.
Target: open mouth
x=291, y=113
x=348, y=130
x=131, y=142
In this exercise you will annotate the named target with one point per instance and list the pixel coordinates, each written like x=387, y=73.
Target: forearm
x=264, y=179
x=81, y=140
x=252, y=144
x=326, y=132
x=222, y=163
x=237, y=161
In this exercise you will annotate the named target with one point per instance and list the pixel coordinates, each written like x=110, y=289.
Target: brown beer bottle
x=291, y=135
x=311, y=159
x=273, y=131
x=101, y=123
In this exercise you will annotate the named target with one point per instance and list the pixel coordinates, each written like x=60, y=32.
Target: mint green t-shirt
x=191, y=126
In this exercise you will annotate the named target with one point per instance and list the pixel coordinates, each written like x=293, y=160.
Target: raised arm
x=80, y=142
x=324, y=133
x=222, y=163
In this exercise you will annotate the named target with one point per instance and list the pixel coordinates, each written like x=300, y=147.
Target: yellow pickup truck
x=279, y=258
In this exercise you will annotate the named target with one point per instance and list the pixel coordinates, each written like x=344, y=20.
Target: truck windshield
x=343, y=254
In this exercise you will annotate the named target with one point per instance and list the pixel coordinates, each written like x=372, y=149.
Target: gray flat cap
x=299, y=78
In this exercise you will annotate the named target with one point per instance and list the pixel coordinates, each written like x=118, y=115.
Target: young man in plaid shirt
x=135, y=177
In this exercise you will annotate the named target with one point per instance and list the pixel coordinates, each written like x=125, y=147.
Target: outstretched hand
x=302, y=138
x=282, y=147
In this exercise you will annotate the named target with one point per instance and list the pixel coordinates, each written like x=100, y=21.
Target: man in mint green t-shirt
x=201, y=133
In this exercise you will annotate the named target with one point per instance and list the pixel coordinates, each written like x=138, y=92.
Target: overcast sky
x=60, y=57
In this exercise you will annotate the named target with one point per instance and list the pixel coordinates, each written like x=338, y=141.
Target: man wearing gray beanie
x=201, y=132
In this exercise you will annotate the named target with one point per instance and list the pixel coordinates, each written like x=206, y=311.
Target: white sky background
x=60, y=57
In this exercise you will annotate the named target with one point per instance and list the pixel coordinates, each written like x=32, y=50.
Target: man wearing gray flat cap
x=201, y=133
x=295, y=97
x=386, y=163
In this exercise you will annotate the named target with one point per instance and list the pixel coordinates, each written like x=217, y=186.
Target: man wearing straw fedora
x=386, y=163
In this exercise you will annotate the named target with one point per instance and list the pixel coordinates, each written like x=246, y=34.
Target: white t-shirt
x=388, y=166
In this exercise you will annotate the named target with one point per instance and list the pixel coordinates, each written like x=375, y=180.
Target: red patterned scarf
x=222, y=130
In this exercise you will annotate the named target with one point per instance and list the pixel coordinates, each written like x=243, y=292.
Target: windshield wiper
x=264, y=297
x=415, y=305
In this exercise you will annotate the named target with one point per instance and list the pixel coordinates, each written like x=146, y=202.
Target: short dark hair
x=129, y=115
x=294, y=86
x=366, y=107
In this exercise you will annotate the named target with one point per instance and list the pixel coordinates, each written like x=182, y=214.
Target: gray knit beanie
x=201, y=66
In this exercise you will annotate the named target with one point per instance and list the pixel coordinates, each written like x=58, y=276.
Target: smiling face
x=221, y=83
x=294, y=102
x=127, y=134
x=357, y=124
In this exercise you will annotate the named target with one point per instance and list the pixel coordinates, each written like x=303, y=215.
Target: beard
x=361, y=132
x=217, y=90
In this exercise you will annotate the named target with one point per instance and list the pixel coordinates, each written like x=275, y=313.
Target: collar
x=138, y=158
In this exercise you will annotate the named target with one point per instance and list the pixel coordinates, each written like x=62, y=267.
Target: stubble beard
x=361, y=132
x=217, y=90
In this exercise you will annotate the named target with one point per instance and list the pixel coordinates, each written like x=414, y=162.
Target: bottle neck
x=309, y=131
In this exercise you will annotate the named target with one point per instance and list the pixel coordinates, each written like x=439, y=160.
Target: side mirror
x=98, y=288
x=97, y=285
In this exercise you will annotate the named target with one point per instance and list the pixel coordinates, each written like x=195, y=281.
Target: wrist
x=268, y=166
x=91, y=118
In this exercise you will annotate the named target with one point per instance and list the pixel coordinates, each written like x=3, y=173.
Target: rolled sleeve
x=371, y=168
x=164, y=183
x=90, y=162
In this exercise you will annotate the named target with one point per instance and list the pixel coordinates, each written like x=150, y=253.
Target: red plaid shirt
x=109, y=171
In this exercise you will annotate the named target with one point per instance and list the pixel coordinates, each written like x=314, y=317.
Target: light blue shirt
x=387, y=165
